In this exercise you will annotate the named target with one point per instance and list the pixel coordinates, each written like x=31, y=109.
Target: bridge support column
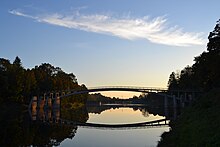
x=174, y=113
x=165, y=101
x=174, y=107
x=185, y=97
x=182, y=102
x=166, y=106
x=33, y=105
x=49, y=102
x=56, y=103
x=49, y=115
x=193, y=96
x=41, y=102
x=34, y=114
x=56, y=115
x=174, y=101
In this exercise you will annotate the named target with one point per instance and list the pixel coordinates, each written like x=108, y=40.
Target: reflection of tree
x=18, y=130
x=145, y=113
x=51, y=134
x=144, y=110
x=77, y=114
x=73, y=108
x=98, y=109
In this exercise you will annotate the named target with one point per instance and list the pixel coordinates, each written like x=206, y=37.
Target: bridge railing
x=128, y=87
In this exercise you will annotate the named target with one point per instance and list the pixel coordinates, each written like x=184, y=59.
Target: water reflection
x=133, y=111
x=59, y=126
x=20, y=130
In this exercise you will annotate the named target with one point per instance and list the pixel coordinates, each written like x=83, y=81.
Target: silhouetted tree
x=205, y=72
x=30, y=85
x=173, y=82
x=186, y=79
x=214, y=38
x=4, y=85
x=18, y=84
x=206, y=67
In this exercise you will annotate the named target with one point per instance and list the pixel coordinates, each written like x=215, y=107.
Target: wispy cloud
x=155, y=30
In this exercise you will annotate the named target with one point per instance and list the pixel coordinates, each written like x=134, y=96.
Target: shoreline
x=198, y=125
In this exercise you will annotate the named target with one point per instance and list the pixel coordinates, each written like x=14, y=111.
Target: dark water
x=73, y=127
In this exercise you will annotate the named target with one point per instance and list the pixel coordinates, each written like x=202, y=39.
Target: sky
x=108, y=42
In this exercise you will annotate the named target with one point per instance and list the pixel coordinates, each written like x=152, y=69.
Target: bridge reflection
x=147, y=124
x=54, y=116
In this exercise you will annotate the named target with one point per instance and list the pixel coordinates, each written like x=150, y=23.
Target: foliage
x=204, y=74
x=11, y=77
x=18, y=130
x=18, y=84
x=197, y=126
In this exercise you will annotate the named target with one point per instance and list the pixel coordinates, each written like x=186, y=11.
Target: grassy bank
x=199, y=125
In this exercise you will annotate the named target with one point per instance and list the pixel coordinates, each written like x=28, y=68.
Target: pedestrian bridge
x=115, y=88
x=52, y=99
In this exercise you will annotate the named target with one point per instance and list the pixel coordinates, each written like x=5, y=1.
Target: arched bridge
x=150, y=124
x=53, y=99
x=116, y=88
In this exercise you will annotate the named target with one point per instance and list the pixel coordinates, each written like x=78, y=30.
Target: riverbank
x=198, y=125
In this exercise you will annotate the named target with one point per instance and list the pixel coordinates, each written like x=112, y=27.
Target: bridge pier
x=56, y=115
x=174, y=101
x=33, y=103
x=174, y=113
x=56, y=103
x=165, y=101
x=182, y=102
x=46, y=107
x=48, y=115
x=41, y=102
x=49, y=103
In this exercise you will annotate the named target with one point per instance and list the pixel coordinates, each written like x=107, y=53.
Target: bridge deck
x=117, y=88
x=155, y=123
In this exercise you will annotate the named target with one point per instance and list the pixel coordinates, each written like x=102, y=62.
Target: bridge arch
x=117, y=88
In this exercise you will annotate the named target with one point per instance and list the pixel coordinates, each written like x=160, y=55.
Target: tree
x=206, y=67
x=12, y=78
x=4, y=66
x=205, y=72
x=17, y=61
x=173, y=82
x=186, y=78
x=44, y=77
x=214, y=38
x=17, y=80
x=18, y=84
x=30, y=85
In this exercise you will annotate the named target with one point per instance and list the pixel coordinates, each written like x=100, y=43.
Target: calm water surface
x=120, y=137
x=58, y=127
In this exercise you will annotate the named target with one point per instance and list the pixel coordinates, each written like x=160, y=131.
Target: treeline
x=204, y=74
x=97, y=99
x=200, y=121
x=18, y=84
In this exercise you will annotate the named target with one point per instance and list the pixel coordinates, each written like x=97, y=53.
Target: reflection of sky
x=142, y=137
x=115, y=138
x=122, y=115
x=120, y=94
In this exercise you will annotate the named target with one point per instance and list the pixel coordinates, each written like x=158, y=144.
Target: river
x=97, y=126
x=120, y=137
